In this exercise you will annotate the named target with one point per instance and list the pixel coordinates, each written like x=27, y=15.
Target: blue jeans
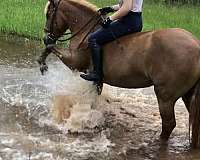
x=130, y=23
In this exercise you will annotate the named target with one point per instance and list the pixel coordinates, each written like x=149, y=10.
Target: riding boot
x=97, y=74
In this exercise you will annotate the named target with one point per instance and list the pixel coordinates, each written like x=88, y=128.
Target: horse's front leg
x=41, y=60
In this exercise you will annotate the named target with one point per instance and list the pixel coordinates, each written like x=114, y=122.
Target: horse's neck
x=79, y=17
x=78, y=14
x=76, y=17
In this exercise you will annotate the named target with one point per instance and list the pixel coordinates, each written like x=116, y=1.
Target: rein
x=82, y=27
x=89, y=32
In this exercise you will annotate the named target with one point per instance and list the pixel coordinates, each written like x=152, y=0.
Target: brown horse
x=168, y=59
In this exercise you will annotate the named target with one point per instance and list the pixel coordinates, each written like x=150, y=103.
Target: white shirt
x=136, y=6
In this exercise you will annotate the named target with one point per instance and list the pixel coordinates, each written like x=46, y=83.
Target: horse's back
x=153, y=57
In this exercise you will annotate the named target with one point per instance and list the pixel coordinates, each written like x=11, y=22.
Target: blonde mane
x=84, y=3
x=80, y=2
x=46, y=7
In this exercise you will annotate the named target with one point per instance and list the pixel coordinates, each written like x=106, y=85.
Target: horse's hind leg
x=187, y=99
x=166, y=108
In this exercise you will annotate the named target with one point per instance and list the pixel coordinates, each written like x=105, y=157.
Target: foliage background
x=26, y=17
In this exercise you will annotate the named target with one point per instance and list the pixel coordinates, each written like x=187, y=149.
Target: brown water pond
x=27, y=131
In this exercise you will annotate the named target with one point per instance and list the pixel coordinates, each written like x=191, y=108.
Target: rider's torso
x=136, y=6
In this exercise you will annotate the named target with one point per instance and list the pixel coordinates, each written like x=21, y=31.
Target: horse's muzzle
x=49, y=40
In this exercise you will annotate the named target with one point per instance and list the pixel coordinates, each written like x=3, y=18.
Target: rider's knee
x=92, y=39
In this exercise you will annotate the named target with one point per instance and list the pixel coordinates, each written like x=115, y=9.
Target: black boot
x=96, y=75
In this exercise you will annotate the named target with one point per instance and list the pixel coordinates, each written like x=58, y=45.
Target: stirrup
x=90, y=77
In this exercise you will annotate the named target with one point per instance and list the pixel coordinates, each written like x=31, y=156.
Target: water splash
x=31, y=94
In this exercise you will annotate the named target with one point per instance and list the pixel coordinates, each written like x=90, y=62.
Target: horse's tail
x=195, y=116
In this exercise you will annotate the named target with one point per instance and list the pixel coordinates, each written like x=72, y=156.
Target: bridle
x=52, y=38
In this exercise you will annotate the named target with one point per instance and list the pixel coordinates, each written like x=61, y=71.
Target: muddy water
x=131, y=125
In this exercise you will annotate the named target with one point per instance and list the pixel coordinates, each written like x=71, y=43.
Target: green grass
x=22, y=17
x=26, y=17
x=164, y=16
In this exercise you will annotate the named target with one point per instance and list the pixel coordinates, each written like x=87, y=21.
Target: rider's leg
x=95, y=42
x=102, y=36
x=97, y=74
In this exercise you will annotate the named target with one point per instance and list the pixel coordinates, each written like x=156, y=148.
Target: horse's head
x=81, y=18
x=76, y=15
x=55, y=23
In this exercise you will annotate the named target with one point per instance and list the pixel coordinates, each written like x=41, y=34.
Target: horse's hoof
x=43, y=68
x=99, y=88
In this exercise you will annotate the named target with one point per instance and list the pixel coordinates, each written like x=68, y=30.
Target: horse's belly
x=129, y=81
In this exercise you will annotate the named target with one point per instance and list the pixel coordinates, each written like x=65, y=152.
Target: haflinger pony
x=168, y=59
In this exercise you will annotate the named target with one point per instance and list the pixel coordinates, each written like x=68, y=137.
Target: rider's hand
x=105, y=23
x=105, y=10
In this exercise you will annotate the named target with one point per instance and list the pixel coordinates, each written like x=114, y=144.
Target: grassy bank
x=26, y=18
x=22, y=17
x=163, y=16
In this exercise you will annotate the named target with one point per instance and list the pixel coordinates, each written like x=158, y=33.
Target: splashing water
x=26, y=107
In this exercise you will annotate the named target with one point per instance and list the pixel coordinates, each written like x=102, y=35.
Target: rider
x=126, y=19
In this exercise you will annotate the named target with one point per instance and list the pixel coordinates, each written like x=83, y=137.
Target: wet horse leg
x=168, y=118
x=187, y=101
x=187, y=98
x=166, y=108
x=41, y=60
